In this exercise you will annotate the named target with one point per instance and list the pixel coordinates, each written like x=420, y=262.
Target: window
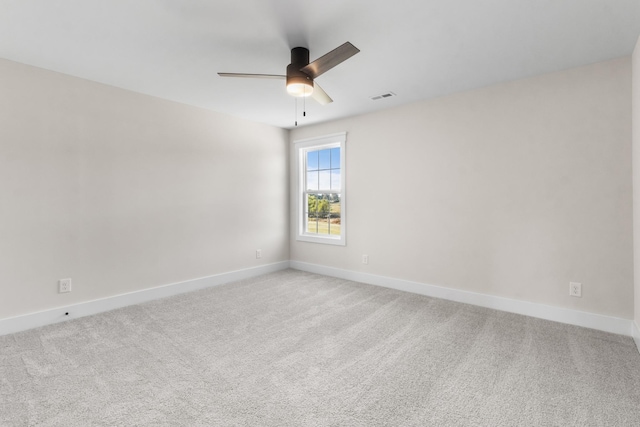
x=321, y=190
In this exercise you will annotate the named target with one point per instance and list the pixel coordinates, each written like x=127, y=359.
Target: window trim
x=301, y=148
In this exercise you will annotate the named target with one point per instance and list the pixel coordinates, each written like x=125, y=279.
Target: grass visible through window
x=323, y=214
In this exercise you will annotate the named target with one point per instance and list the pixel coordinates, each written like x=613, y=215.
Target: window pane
x=325, y=159
x=312, y=224
x=335, y=158
x=335, y=179
x=325, y=180
x=324, y=214
x=312, y=214
x=334, y=216
x=312, y=204
x=312, y=181
x=312, y=160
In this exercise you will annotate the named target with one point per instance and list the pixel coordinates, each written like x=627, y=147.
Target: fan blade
x=257, y=76
x=320, y=95
x=330, y=60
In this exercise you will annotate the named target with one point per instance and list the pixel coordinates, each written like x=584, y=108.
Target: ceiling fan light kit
x=298, y=87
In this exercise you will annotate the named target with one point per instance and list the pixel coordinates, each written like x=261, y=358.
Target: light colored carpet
x=298, y=349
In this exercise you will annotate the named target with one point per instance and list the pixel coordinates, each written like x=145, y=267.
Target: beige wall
x=636, y=175
x=512, y=190
x=122, y=191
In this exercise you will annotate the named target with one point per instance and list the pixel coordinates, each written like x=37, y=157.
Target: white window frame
x=301, y=149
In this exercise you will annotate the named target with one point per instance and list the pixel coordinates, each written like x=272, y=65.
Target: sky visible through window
x=323, y=170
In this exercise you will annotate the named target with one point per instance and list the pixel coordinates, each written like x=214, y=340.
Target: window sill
x=337, y=240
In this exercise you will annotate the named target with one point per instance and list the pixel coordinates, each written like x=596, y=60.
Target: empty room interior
x=337, y=213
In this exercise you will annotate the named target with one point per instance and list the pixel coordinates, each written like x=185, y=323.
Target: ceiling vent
x=384, y=95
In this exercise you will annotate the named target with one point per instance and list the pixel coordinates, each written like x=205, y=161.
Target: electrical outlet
x=64, y=285
x=575, y=289
x=365, y=259
x=258, y=253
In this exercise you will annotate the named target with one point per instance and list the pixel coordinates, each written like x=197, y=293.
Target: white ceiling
x=418, y=49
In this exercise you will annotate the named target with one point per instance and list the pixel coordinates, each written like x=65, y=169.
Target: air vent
x=384, y=95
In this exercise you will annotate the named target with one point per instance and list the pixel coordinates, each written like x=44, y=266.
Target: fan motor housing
x=299, y=83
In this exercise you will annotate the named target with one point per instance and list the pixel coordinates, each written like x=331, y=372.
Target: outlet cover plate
x=64, y=286
x=575, y=289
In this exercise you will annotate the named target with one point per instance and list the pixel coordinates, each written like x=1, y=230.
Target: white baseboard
x=563, y=315
x=579, y=318
x=636, y=334
x=42, y=318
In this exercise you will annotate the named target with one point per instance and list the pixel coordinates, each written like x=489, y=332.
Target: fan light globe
x=300, y=89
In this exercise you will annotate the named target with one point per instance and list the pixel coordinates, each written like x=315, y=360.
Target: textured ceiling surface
x=418, y=49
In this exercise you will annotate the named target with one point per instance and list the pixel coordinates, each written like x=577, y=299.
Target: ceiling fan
x=301, y=74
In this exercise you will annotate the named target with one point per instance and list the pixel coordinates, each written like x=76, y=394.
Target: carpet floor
x=299, y=349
